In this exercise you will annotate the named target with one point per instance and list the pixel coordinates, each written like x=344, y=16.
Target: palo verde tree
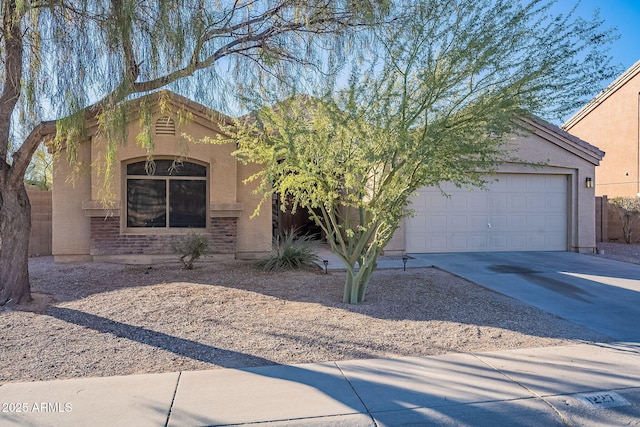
x=62, y=61
x=446, y=89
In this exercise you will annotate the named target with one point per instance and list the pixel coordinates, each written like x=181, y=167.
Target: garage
x=517, y=212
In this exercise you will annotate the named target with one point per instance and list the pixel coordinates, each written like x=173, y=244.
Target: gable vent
x=165, y=126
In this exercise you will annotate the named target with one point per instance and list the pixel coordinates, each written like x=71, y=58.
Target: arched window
x=166, y=194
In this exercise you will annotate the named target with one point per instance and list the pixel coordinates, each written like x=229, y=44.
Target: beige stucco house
x=612, y=122
x=549, y=207
x=205, y=193
x=526, y=208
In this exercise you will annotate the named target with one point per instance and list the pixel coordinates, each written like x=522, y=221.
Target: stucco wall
x=41, y=212
x=71, y=229
x=551, y=155
x=80, y=215
x=254, y=233
x=613, y=127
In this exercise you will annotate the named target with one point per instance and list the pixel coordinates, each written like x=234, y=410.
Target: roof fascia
x=623, y=79
x=563, y=139
x=203, y=115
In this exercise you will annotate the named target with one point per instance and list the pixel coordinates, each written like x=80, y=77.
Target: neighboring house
x=612, y=122
x=526, y=208
x=205, y=194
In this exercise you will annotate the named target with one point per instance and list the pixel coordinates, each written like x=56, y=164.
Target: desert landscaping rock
x=106, y=319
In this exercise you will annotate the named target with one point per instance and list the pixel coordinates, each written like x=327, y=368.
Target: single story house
x=526, y=208
x=611, y=120
x=205, y=193
x=548, y=207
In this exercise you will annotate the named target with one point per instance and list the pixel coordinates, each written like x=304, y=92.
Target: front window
x=166, y=194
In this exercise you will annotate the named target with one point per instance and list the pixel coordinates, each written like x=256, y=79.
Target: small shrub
x=190, y=247
x=289, y=252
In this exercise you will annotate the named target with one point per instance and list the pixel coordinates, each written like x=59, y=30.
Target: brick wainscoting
x=107, y=240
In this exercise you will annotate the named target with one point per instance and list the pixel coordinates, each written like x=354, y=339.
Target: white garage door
x=519, y=212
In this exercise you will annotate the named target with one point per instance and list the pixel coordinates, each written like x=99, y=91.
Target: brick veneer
x=107, y=240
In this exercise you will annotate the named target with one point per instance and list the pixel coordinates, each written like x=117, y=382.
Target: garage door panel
x=556, y=201
x=478, y=222
x=499, y=222
x=536, y=241
x=458, y=242
x=498, y=243
x=436, y=242
x=518, y=242
x=416, y=240
x=477, y=243
x=437, y=221
x=517, y=203
x=536, y=185
x=420, y=203
x=517, y=223
x=458, y=221
x=537, y=202
x=555, y=223
x=537, y=223
x=498, y=185
x=525, y=211
x=477, y=203
x=497, y=201
x=458, y=202
x=419, y=221
x=556, y=241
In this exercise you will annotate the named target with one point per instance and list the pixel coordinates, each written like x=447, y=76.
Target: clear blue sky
x=622, y=14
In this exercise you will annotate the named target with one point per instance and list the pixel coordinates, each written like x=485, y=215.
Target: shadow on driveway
x=598, y=293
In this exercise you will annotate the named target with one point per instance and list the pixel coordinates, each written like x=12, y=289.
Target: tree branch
x=132, y=71
x=13, y=48
x=22, y=157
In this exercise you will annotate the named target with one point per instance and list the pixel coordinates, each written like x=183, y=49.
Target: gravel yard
x=107, y=319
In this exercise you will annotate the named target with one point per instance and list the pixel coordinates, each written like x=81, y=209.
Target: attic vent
x=165, y=126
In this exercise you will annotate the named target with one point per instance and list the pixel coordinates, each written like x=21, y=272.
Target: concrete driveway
x=599, y=293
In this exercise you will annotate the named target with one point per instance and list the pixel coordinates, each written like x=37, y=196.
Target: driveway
x=599, y=293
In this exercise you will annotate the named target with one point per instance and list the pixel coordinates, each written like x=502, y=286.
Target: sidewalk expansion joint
x=173, y=399
x=366, y=408
x=563, y=418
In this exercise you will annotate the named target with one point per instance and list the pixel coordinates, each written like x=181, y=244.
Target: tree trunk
x=15, y=227
x=357, y=281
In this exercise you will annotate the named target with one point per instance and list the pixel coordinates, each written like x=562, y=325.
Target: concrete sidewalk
x=574, y=385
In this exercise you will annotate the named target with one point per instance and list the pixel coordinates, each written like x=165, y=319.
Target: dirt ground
x=108, y=319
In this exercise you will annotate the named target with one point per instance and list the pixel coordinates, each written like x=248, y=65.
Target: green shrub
x=289, y=252
x=190, y=247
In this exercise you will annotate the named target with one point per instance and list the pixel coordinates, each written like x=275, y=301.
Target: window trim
x=125, y=229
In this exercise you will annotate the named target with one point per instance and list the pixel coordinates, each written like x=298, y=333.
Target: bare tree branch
x=23, y=155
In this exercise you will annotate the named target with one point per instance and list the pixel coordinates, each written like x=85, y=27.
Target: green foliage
x=628, y=210
x=290, y=251
x=447, y=87
x=68, y=68
x=82, y=59
x=190, y=247
x=40, y=170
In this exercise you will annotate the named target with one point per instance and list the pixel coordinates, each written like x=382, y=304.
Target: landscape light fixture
x=326, y=263
x=589, y=182
x=405, y=258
